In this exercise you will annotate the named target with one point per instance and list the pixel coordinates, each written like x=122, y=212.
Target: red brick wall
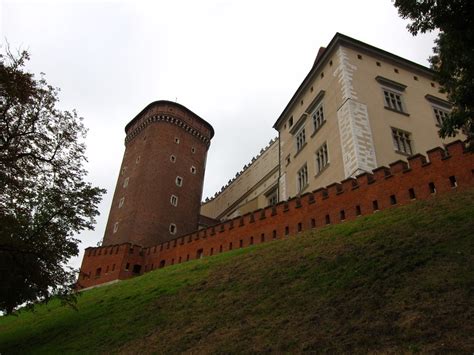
x=386, y=187
x=145, y=216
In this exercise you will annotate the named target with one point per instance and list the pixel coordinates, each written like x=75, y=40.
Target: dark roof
x=207, y=124
x=324, y=53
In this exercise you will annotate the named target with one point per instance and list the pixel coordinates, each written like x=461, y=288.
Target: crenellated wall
x=399, y=184
x=249, y=189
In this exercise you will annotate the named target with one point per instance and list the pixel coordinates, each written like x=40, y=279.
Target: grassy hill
x=400, y=280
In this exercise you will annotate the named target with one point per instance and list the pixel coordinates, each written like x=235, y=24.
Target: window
x=290, y=122
x=302, y=178
x=393, y=199
x=318, y=117
x=453, y=181
x=137, y=160
x=115, y=227
x=300, y=139
x=193, y=170
x=402, y=141
x=441, y=108
x=172, y=158
x=174, y=200
x=179, y=181
x=288, y=160
x=392, y=92
x=273, y=199
x=375, y=205
x=176, y=140
x=193, y=150
x=322, y=158
x=173, y=228
x=125, y=182
x=440, y=115
x=122, y=200
x=393, y=100
x=342, y=215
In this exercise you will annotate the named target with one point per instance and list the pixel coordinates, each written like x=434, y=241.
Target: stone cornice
x=166, y=119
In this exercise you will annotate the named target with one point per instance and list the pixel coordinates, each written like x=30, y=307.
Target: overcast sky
x=234, y=63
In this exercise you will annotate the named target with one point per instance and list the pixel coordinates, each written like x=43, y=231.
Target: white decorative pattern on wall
x=344, y=72
x=354, y=126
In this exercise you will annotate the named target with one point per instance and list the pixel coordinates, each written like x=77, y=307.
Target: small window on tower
x=179, y=181
x=115, y=227
x=172, y=158
x=176, y=140
x=193, y=170
x=125, y=182
x=137, y=160
x=173, y=228
x=174, y=200
x=193, y=150
x=122, y=200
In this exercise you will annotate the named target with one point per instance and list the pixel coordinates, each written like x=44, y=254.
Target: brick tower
x=159, y=188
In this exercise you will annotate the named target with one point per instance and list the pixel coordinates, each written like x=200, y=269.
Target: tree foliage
x=44, y=200
x=453, y=58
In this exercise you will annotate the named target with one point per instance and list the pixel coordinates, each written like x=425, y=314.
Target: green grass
x=400, y=280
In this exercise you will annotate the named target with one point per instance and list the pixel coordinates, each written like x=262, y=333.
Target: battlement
x=400, y=183
x=242, y=171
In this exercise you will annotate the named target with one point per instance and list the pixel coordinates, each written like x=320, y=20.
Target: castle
x=358, y=110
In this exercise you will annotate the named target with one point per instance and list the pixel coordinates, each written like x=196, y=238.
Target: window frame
x=321, y=165
x=300, y=138
x=319, y=107
x=125, y=182
x=445, y=113
x=396, y=142
x=439, y=104
x=302, y=178
x=389, y=86
x=173, y=229
x=398, y=98
x=174, y=200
